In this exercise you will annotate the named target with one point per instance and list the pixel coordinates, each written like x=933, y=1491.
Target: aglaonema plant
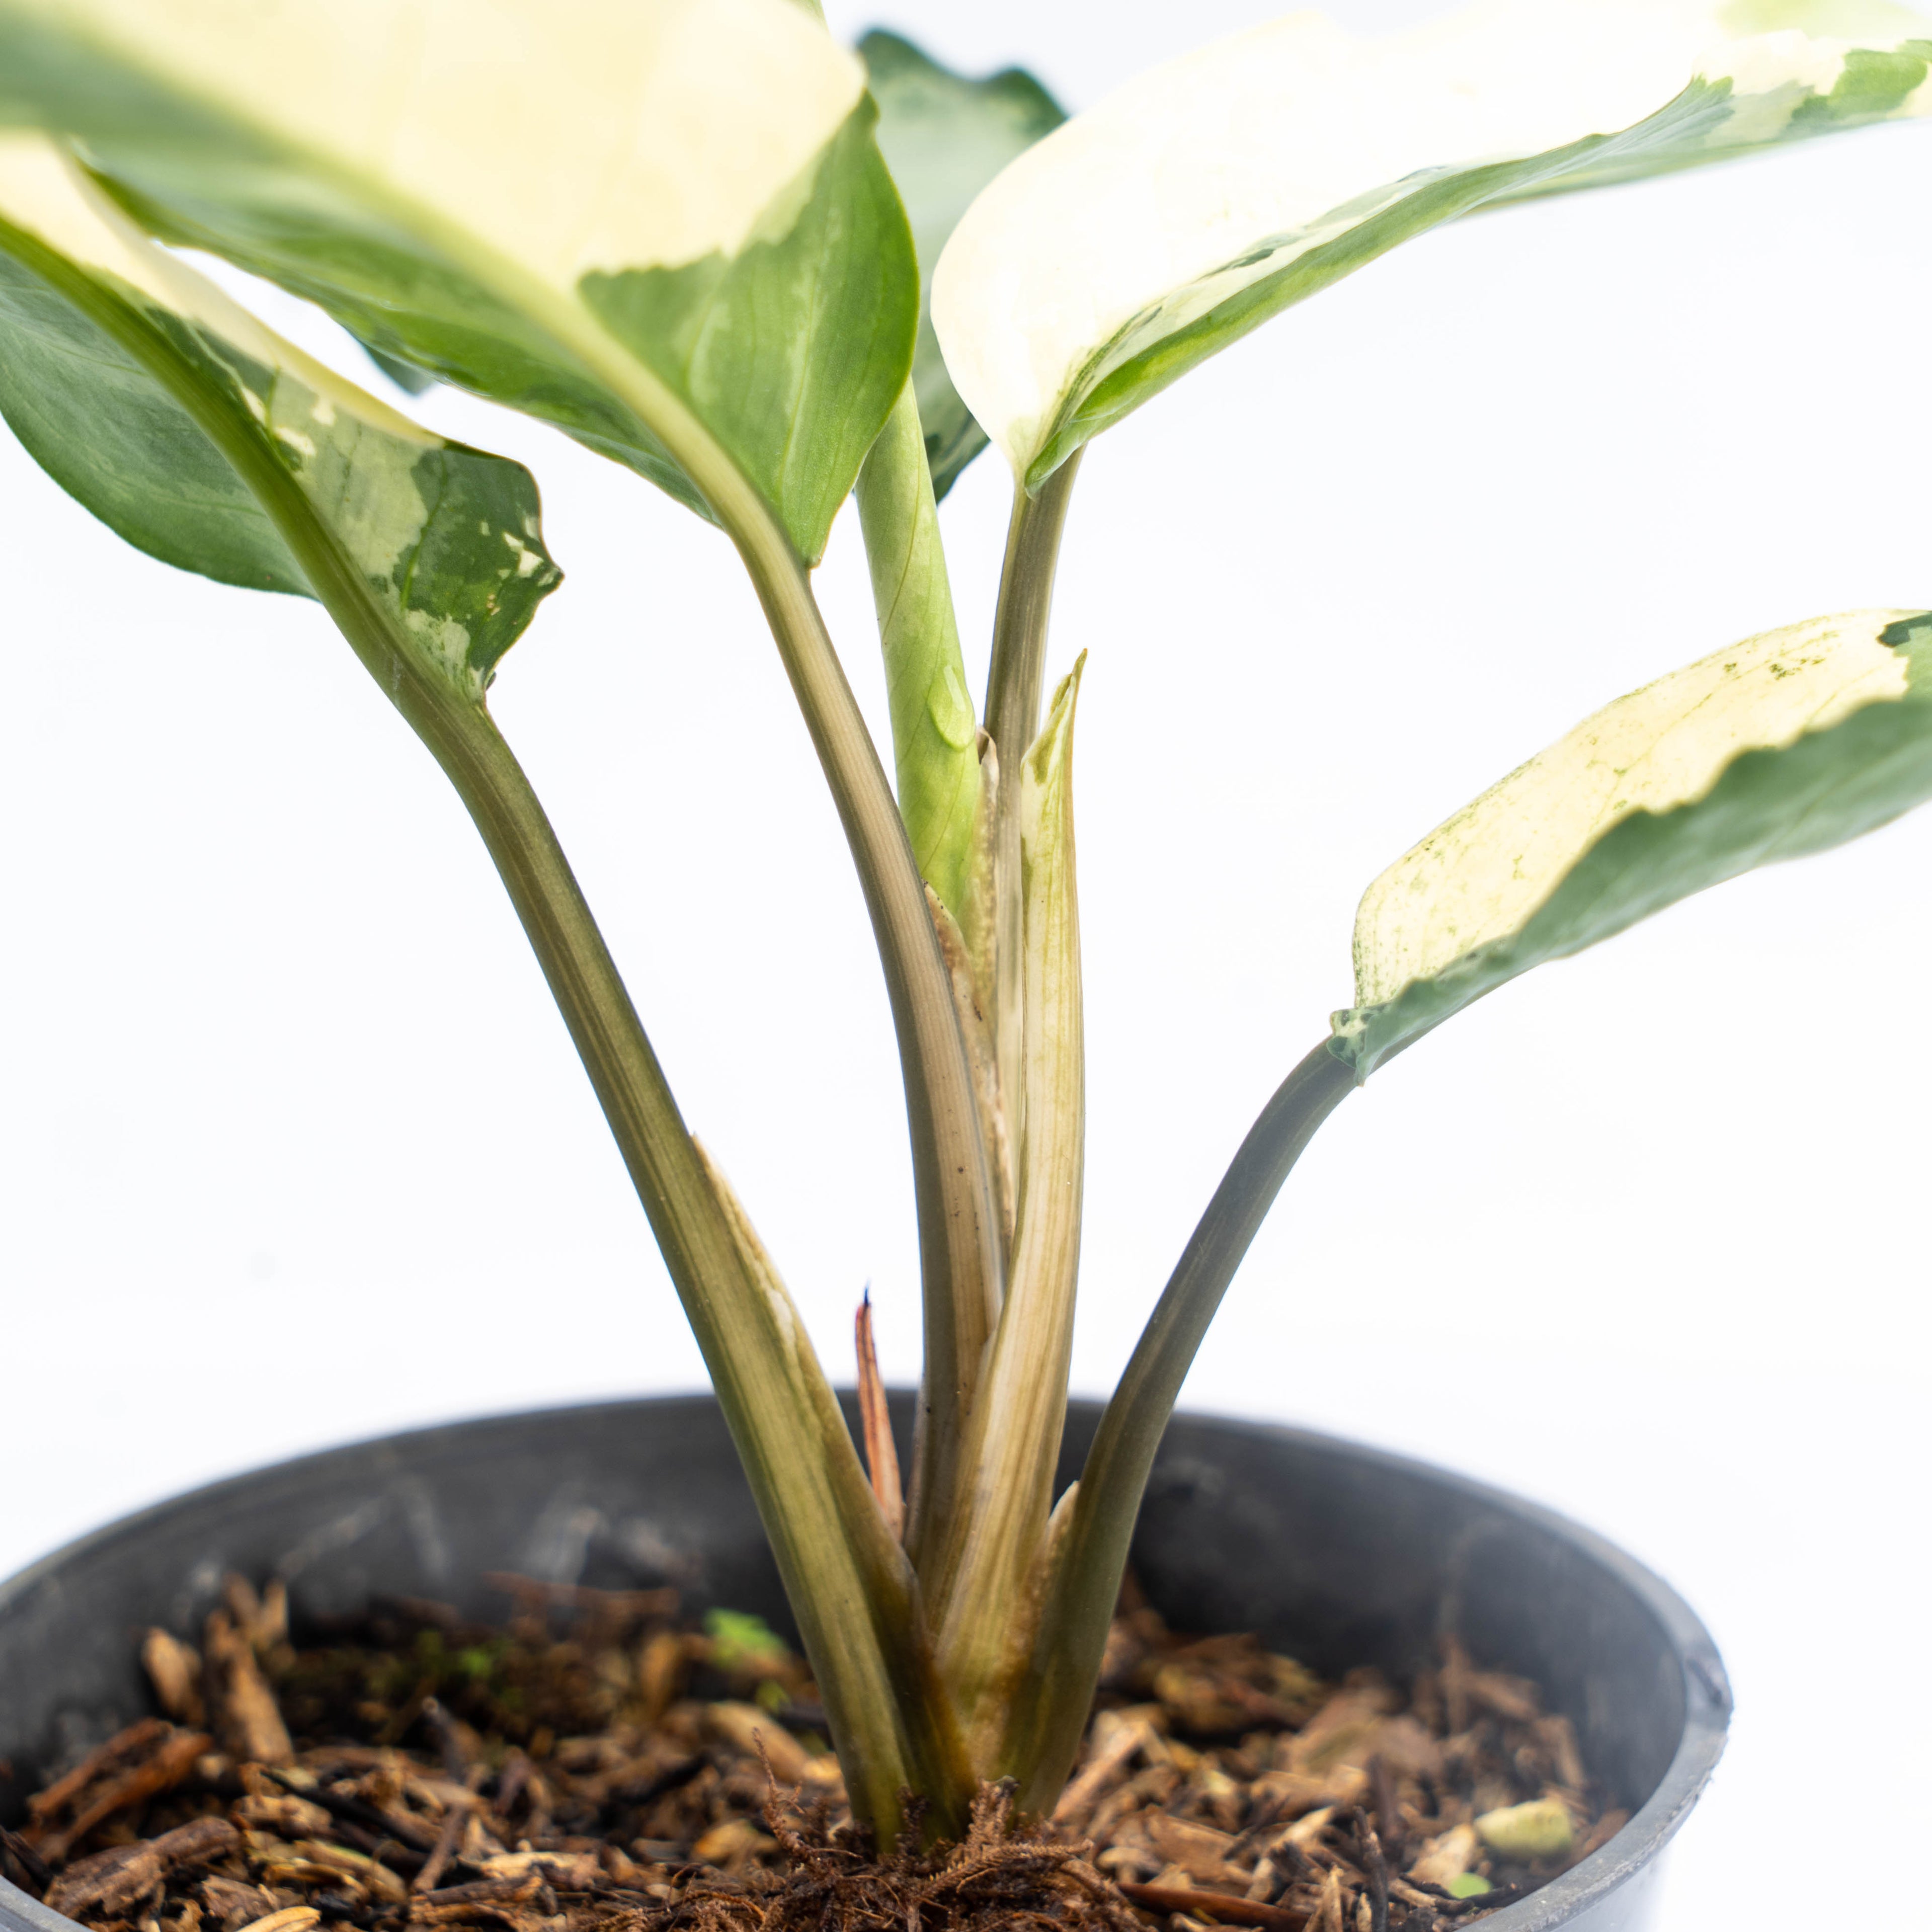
x=766, y=274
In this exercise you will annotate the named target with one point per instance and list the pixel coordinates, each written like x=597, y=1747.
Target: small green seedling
x=762, y=273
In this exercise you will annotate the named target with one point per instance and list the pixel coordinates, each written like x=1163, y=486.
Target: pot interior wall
x=1336, y=1554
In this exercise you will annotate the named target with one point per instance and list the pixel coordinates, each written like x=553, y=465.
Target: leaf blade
x=1212, y=193
x=1788, y=743
x=673, y=131
x=119, y=360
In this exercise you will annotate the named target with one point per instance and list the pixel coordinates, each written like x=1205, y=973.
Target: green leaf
x=1788, y=743
x=945, y=137
x=1213, y=193
x=161, y=406
x=785, y=350
x=742, y=1641
x=661, y=225
x=406, y=376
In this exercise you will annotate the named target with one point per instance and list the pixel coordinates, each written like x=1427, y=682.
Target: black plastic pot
x=1340, y=1555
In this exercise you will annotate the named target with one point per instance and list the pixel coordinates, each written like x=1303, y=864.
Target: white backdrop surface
x=293, y=1150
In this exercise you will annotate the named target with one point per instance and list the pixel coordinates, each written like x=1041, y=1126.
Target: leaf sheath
x=981, y=1587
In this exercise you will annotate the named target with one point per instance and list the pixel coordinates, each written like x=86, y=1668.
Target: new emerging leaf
x=1788, y=743
x=1216, y=191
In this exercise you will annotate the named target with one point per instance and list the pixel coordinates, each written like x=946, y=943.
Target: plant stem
x=935, y=735
x=959, y=1230
x=960, y=1262
x=960, y=1267
x=1014, y=682
x=1050, y=1704
x=1012, y=715
x=850, y=1586
x=854, y=1604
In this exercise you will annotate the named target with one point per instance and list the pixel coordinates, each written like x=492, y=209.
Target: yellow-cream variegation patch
x=1479, y=877
x=570, y=135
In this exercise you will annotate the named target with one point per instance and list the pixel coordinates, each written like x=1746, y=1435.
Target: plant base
x=596, y=1763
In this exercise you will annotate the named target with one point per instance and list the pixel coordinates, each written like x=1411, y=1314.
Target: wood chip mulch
x=599, y=1765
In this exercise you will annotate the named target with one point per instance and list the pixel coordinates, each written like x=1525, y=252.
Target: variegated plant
x=704, y=240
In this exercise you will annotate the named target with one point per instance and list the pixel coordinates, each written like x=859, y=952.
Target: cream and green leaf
x=1787, y=744
x=662, y=225
x=209, y=443
x=944, y=138
x=1213, y=193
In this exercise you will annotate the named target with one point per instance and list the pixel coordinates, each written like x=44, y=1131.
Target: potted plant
x=737, y=314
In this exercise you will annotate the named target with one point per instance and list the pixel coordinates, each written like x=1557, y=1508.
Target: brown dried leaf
x=248, y=1719
x=108, y=1885
x=751, y=1729
x=290, y=1918
x=1119, y=1737
x=283, y=1814
x=109, y=1782
x=1199, y=1850
x=1444, y=1859
x=174, y=1669
x=1345, y=1731
x=1515, y=1699
x=233, y=1905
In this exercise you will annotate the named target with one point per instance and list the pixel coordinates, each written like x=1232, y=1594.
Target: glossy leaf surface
x=499, y=192
x=944, y=138
x=1787, y=744
x=1214, y=192
x=161, y=406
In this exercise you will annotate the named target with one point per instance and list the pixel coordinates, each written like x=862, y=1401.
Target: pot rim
x=1706, y=1689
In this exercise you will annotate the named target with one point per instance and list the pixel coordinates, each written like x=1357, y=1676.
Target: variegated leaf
x=1213, y=193
x=1788, y=743
x=662, y=225
x=209, y=441
x=944, y=138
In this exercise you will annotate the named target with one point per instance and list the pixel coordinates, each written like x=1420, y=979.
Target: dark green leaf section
x=1824, y=790
x=944, y=138
x=115, y=397
x=98, y=422
x=792, y=352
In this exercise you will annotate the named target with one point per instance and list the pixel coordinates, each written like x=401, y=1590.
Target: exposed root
x=998, y=1877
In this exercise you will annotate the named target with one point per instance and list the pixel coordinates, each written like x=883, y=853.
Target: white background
x=293, y=1149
